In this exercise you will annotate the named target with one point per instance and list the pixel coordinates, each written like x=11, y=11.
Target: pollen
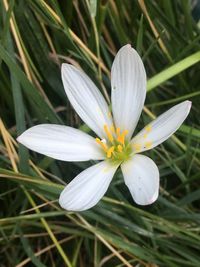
x=137, y=147
x=145, y=135
x=148, y=144
x=148, y=128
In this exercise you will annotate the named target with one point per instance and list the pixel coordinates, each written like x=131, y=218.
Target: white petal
x=128, y=80
x=161, y=128
x=61, y=142
x=141, y=175
x=88, y=187
x=86, y=99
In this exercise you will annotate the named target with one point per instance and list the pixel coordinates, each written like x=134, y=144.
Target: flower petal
x=61, y=142
x=86, y=99
x=128, y=80
x=161, y=128
x=141, y=175
x=86, y=189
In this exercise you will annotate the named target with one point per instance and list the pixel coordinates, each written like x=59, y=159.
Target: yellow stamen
x=115, y=148
x=148, y=128
x=110, y=151
x=118, y=131
x=102, y=144
x=108, y=133
x=120, y=148
x=125, y=132
x=109, y=114
x=148, y=144
x=137, y=147
x=121, y=137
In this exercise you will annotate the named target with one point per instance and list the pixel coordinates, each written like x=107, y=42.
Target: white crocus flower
x=114, y=145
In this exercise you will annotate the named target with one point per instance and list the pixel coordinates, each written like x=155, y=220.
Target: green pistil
x=119, y=157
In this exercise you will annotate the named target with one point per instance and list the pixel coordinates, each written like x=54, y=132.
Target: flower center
x=116, y=147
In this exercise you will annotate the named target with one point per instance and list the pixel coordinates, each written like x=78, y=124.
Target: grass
x=36, y=37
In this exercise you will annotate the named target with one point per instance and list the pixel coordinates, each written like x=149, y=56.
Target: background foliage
x=36, y=37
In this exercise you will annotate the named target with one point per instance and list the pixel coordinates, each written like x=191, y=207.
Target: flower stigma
x=116, y=148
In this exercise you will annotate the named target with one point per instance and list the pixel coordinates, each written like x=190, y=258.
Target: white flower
x=114, y=145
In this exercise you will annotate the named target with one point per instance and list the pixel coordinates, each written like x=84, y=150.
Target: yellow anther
x=120, y=148
x=118, y=131
x=109, y=114
x=108, y=133
x=148, y=128
x=102, y=144
x=137, y=147
x=121, y=137
x=148, y=144
x=125, y=132
x=98, y=140
x=110, y=151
